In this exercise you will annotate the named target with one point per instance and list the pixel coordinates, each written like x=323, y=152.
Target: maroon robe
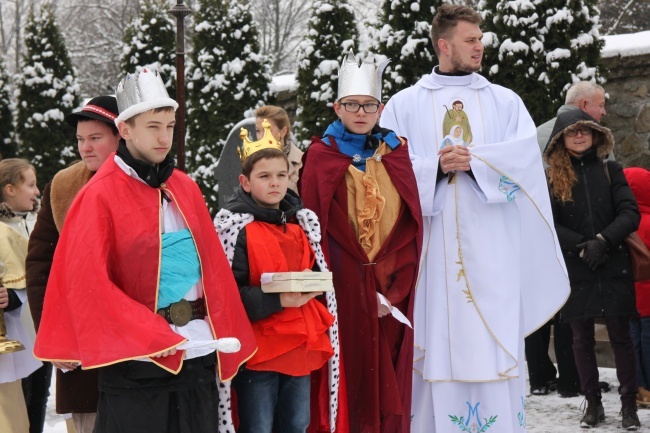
x=377, y=353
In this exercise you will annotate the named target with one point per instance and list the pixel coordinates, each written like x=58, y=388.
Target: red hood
x=639, y=180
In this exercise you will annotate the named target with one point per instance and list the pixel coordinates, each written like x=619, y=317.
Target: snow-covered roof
x=633, y=44
x=284, y=83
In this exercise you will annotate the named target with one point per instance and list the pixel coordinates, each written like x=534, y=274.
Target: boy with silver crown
x=359, y=181
x=264, y=228
x=140, y=285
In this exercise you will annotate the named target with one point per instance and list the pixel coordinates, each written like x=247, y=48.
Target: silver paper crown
x=139, y=92
x=364, y=79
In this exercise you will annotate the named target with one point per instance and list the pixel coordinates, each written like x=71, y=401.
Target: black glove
x=593, y=253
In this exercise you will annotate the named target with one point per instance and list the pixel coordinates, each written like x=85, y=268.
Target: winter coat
x=600, y=206
x=639, y=180
x=258, y=305
x=77, y=390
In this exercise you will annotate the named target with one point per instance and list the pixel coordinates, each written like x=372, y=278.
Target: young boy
x=140, y=285
x=264, y=228
x=358, y=179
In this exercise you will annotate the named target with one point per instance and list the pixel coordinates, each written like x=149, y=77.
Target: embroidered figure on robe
x=457, y=116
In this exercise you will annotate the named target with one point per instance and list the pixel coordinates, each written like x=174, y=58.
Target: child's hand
x=65, y=365
x=296, y=299
x=4, y=297
x=383, y=310
x=166, y=353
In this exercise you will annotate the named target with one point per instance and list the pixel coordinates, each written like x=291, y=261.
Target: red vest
x=294, y=340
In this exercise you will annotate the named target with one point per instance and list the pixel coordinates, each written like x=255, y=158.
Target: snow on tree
x=47, y=91
x=229, y=77
x=8, y=148
x=150, y=42
x=332, y=31
x=620, y=17
x=538, y=48
x=402, y=35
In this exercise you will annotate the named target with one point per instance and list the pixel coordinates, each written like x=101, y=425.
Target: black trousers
x=540, y=367
x=36, y=389
x=568, y=379
x=584, y=342
x=140, y=397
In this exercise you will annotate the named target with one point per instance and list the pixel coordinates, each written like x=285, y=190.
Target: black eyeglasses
x=583, y=130
x=353, y=107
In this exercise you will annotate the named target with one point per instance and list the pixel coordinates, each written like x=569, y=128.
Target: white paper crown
x=139, y=92
x=364, y=79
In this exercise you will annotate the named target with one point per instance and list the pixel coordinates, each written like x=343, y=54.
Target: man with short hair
x=140, y=286
x=584, y=95
x=97, y=138
x=492, y=270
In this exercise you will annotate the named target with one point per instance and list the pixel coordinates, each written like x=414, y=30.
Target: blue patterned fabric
x=179, y=268
x=357, y=144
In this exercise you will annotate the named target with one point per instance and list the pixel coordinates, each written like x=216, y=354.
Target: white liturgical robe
x=492, y=270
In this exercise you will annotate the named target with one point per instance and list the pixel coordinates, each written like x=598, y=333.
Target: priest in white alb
x=491, y=268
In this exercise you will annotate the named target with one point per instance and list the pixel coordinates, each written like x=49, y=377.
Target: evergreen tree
x=229, y=77
x=332, y=31
x=8, y=147
x=402, y=35
x=150, y=41
x=47, y=92
x=538, y=48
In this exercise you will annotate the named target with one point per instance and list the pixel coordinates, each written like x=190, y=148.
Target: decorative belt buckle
x=180, y=313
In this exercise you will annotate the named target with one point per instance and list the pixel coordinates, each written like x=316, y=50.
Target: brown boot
x=643, y=397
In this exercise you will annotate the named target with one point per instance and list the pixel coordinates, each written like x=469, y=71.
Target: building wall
x=628, y=107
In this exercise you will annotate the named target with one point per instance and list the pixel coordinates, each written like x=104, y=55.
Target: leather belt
x=180, y=313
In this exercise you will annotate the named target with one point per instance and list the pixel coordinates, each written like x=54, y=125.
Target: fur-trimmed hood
x=6, y=213
x=579, y=117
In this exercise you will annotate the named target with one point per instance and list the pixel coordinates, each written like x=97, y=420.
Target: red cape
x=102, y=292
x=378, y=353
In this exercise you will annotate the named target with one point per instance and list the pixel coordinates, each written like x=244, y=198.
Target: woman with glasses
x=594, y=211
x=359, y=180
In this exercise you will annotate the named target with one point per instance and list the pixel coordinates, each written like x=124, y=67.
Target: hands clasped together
x=454, y=158
x=593, y=252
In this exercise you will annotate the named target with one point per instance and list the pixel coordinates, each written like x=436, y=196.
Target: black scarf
x=153, y=175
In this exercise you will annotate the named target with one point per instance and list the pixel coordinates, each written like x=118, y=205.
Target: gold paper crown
x=250, y=147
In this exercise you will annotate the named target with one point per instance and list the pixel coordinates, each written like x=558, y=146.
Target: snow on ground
x=544, y=414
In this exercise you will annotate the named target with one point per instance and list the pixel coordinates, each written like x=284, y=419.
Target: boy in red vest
x=265, y=229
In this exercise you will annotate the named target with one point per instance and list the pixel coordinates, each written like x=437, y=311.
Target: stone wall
x=628, y=107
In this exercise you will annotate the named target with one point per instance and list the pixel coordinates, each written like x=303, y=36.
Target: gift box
x=279, y=282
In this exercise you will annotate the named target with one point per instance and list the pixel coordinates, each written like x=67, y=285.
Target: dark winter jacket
x=639, y=180
x=258, y=304
x=600, y=206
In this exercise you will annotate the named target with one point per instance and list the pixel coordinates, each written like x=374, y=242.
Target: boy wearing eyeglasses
x=359, y=180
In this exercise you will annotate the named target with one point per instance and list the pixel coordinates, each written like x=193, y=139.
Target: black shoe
x=552, y=385
x=630, y=418
x=568, y=394
x=594, y=413
x=539, y=390
x=604, y=386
